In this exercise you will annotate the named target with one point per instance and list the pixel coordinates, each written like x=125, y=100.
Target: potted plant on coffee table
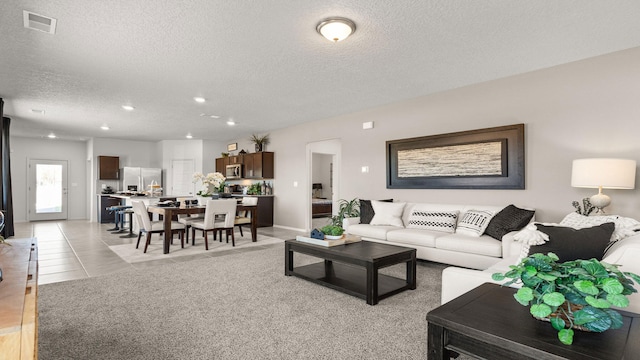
x=571, y=295
x=332, y=232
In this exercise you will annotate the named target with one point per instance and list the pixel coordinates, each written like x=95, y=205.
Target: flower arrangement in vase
x=212, y=183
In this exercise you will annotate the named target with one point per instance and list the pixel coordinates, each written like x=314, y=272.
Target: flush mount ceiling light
x=51, y=136
x=104, y=127
x=336, y=28
x=189, y=136
x=199, y=99
x=128, y=107
x=230, y=122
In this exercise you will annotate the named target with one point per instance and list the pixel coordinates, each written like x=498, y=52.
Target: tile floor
x=77, y=249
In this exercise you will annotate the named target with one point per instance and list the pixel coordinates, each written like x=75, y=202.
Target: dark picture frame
x=491, y=158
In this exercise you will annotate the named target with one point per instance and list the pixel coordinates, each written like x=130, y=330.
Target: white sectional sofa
x=449, y=248
x=625, y=252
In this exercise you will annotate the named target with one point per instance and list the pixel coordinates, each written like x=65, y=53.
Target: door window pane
x=48, y=188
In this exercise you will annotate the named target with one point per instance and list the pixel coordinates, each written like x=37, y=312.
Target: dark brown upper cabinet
x=108, y=167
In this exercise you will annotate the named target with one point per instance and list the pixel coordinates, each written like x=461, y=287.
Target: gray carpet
x=239, y=306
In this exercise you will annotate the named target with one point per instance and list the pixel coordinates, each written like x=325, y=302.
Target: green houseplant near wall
x=573, y=294
x=346, y=208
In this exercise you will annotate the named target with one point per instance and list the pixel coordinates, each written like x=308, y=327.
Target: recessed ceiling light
x=230, y=122
x=37, y=111
x=189, y=136
x=128, y=107
x=211, y=116
x=199, y=99
x=51, y=136
x=104, y=127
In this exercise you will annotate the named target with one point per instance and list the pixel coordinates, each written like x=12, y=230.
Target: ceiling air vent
x=39, y=22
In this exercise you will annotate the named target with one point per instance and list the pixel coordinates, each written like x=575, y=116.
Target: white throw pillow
x=444, y=221
x=387, y=213
x=474, y=222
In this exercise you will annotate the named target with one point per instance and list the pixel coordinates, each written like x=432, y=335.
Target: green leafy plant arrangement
x=578, y=293
x=259, y=141
x=346, y=208
x=254, y=189
x=332, y=230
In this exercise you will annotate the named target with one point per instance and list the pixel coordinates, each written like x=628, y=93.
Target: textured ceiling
x=262, y=64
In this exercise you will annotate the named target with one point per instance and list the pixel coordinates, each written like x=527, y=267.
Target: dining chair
x=187, y=219
x=153, y=227
x=219, y=215
x=244, y=216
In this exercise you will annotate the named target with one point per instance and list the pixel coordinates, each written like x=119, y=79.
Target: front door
x=47, y=190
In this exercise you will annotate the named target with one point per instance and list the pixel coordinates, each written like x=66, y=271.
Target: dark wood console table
x=488, y=323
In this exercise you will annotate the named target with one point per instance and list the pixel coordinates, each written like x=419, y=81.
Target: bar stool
x=118, y=211
x=129, y=212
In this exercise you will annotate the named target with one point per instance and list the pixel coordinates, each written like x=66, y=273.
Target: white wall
x=321, y=173
x=131, y=153
x=583, y=109
x=24, y=149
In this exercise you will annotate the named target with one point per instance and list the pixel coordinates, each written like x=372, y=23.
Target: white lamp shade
x=336, y=29
x=605, y=173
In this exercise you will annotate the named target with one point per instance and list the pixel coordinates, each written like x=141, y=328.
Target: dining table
x=168, y=212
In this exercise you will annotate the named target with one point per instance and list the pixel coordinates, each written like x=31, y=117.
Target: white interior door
x=47, y=190
x=182, y=177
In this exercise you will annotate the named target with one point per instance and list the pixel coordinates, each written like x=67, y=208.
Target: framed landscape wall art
x=490, y=158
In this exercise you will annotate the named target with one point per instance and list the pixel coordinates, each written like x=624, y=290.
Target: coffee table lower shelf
x=348, y=279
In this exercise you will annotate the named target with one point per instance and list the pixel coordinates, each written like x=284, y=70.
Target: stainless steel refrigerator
x=140, y=178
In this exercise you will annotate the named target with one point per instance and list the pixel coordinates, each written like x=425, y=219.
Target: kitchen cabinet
x=221, y=164
x=108, y=167
x=105, y=201
x=264, y=210
x=258, y=165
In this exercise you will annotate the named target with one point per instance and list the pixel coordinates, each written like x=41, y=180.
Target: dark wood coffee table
x=488, y=323
x=353, y=268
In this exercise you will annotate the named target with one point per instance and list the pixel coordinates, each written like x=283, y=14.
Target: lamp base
x=600, y=201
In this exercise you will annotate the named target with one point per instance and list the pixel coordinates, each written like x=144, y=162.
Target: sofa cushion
x=444, y=221
x=474, y=222
x=511, y=218
x=366, y=210
x=415, y=237
x=483, y=245
x=571, y=244
x=369, y=231
x=387, y=213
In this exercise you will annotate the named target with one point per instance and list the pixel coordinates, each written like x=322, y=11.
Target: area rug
x=130, y=254
x=240, y=306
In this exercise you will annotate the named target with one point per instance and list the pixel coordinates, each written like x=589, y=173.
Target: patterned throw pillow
x=474, y=222
x=444, y=221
